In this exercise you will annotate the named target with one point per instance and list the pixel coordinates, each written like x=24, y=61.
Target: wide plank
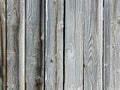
x=93, y=44
x=54, y=45
x=34, y=49
x=12, y=44
x=111, y=44
x=74, y=31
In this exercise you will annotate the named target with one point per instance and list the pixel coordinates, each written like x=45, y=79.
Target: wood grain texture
x=0, y=51
x=21, y=44
x=12, y=44
x=33, y=42
x=42, y=25
x=54, y=45
x=3, y=43
x=74, y=31
x=93, y=44
x=34, y=59
x=111, y=44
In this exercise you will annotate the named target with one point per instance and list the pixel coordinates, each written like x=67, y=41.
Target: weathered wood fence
x=59, y=44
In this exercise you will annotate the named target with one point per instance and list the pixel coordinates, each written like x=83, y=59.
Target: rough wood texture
x=34, y=59
x=37, y=54
x=93, y=45
x=42, y=17
x=112, y=45
x=54, y=45
x=0, y=51
x=1, y=28
x=3, y=44
x=12, y=44
x=74, y=27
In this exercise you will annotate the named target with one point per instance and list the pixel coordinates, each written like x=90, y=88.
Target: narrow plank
x=111, y=45
x=21, y=44
x=54, y=45
x=43, y=43
x=74, y=27
x=3, y=44
x=93, y=45
x=0, y=50
x=34, y=59
x=12, y=44
x=107, y=56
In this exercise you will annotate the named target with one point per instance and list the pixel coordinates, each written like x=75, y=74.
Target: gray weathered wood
x=1, y=28
x=42, y=25
x=12, y=44
x=106, y=63
x=74, y=28
x=3, y=43
x=111, y=44
x=54, y=45
x=21, y=39
x=0, y=51
x=34, y=60
x=31, y=47
x=93, y=44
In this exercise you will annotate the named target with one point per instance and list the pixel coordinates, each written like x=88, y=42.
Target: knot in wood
x=38, y=80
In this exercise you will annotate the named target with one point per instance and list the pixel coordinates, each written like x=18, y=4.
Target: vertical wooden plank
x=54, y=45
x=42, y=43
x=12, y=44
x=15, y=44
x=34, y=32
x=2, y=45
x=0, y=50
x=112, y=44
x=107, y=57
x=22, y=45
x=93, y=45
x=74, y=27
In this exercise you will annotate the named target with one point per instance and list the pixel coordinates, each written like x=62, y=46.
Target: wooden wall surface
x=59, y=45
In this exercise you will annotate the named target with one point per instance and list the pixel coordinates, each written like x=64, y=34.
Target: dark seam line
x=64, y=10
x=44, y=6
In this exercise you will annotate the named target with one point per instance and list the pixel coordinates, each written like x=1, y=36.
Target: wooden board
x=21, y=41
x=12, y=44
x=111, y=44
x=74, y=27
x=3, y=45
x=54, y=45
x=34, y=59
x=0, y=51
x=93, y=44
x=59, y=44
x=15, y=45
x=42, y=37
x=2, y=25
